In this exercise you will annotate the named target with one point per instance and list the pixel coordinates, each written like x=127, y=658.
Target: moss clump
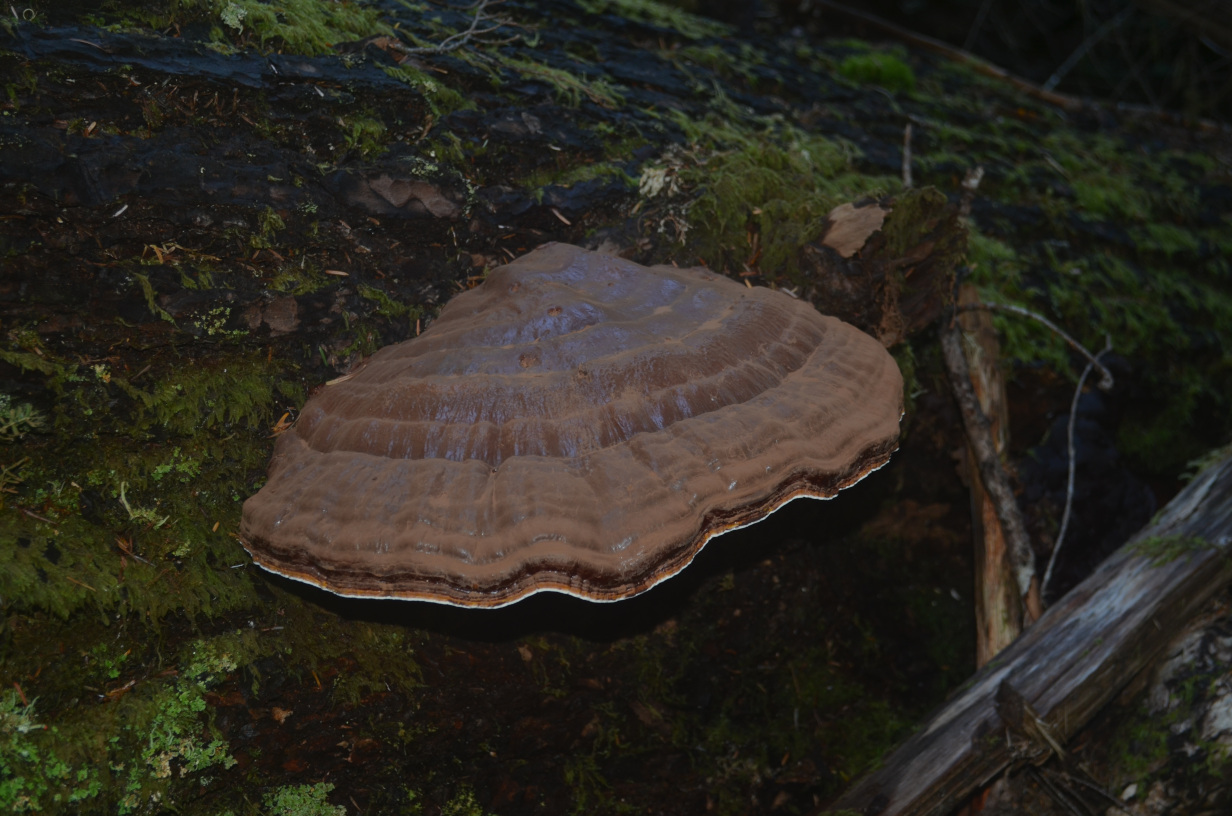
x=441, y=98
x=162, y=469
x=577, y=174
x=366, y=136
x=777, y=185
x=302, y=800
x=269, y=224
x=570, y=88
x=33, y=776
x=296, y=279
x=463, y=803
x=715, y=58
x=172, y=738
x=1166, y=549
x=879, y=68
x=17, y=420
x=300, y=26
x=215, y=395
x=131, y=749
x=386, y=306
x=662, y=15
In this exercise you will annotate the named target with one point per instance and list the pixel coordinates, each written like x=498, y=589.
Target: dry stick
x=1105, y=376
x=992, y=474
x=1081, y=50
x=1069, y=489
x=472, y=34
x=998, y=610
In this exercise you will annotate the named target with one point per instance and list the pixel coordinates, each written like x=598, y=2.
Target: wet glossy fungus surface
x=577, y=423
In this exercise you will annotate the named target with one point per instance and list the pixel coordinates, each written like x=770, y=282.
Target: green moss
x=299, y=26
x=210, y=396
x=441, y=98
x=1140, y=746
x=366, y=135
x=448, y=148
x=592, y=793
x=33, y=776
x=463, y=803
x=302, y=800
x=386, y=306
x=269, y=224
x=779, y=183
x=172, y=737
x=665, y=16
x=1160, y=295
x=1198, y=465
x=1111, y=180
x=575, y=174
x=1168, y=239
x=570, y=88
x=164, y=467
x=777, y=706
x=131, y=751
x=719, y=59
x=1166, y=549
x=151, y=298
x=879, y=68
x=17, y=420
x=298, y=279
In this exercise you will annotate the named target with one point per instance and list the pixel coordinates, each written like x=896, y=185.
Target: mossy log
x=211, y=209
x=1084, y=650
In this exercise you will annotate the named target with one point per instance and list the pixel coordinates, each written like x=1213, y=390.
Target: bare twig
x=126, y=546
x=482, y=24
x=80, y=583
x=974, y=31
x=1081, y=51
x=996, y=481
x=1105, y=376
x=1069, y=488
x=37, y=517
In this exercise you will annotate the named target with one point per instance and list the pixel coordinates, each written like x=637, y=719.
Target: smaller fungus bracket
x=577, y=423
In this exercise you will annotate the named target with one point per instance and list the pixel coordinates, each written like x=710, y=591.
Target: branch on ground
x=483, y=24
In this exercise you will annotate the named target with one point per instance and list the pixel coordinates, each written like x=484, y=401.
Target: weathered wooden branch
x=1060, y=672
x=992, y=474
x=998, y=607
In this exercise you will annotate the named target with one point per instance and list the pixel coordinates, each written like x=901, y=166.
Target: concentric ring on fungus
x=577, y=423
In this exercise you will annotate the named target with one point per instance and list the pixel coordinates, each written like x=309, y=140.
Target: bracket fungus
x=577, y=423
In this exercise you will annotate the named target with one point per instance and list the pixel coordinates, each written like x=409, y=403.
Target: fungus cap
x=577, y=423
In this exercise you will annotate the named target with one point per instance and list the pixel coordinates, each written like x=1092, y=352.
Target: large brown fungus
x=578, y=423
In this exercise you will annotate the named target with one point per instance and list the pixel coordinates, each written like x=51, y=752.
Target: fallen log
x=1045, y=686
